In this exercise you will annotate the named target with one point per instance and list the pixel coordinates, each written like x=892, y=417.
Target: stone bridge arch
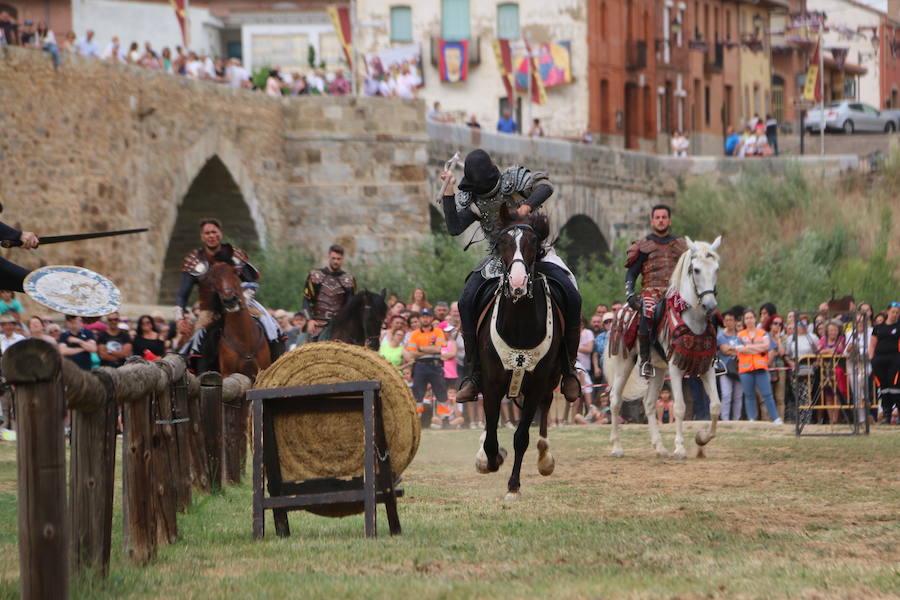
x=580, y=239
x=213, y=182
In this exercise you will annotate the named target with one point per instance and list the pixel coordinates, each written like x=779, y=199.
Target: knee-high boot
x=647, y=369
x=569, y=384
x=470, y=386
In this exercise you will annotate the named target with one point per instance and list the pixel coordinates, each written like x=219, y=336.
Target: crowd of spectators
x=768, y=364
x=187, y=63
x=759, y=138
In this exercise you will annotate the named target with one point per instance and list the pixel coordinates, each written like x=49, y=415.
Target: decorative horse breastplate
x=520, y=360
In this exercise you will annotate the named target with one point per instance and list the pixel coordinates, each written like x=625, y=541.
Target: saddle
x=623, y=335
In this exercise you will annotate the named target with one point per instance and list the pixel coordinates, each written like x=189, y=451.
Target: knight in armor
x=482, y=190
x=12, y=276
x=653, y=258
x=209, y=325
x=326, y=291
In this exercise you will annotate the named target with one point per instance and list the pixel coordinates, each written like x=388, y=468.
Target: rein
x=698, y=293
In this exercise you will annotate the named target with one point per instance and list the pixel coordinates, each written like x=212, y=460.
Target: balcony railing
x=715, y=59
x=636, y=55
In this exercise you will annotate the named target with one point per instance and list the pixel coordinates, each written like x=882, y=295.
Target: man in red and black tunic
x=653, y=258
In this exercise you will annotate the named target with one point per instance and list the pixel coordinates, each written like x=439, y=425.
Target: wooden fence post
x=211, y=410
x=196, y=437
x=139, y=532
x=234, y=389
x=33, y=367
x=93, y=466
x=181, y=421
x=162, y=468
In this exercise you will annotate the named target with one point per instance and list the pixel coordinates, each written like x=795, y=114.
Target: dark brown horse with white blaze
x=520, y=337
x=243, y=347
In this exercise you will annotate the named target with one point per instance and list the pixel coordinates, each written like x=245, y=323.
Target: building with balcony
x=382, y=24
x=755, y=24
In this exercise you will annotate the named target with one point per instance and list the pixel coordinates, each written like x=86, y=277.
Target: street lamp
x=676, y=26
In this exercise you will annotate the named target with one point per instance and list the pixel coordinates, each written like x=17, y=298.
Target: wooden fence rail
x=173, y=442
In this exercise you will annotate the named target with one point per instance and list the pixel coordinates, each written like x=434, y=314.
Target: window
x=401, y=24
x=508, y=21
x=455, y=20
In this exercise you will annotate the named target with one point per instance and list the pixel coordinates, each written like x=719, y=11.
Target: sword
x=448, y=166
x=74, y=237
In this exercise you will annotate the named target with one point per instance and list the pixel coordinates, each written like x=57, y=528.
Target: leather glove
x=634, y=301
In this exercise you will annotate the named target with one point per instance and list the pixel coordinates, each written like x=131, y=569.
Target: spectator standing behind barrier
x=772, y=133
x=884, y=351
x=778, y=360
x=732, y=139
x=113, y=345
x=424, y=347
x=753, y=367
x=77, y=343
x=87, y=46
x=147, y=342
x=833, y=380
x=732, y=390
x=392, y=347
x=38, y=331
x=507, y=124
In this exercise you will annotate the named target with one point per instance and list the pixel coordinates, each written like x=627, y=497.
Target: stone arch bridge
x=98, y=146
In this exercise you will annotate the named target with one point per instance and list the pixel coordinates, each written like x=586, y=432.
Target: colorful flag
x=178, y=6
x=538, y=93
x=340, y=18
x=812, y=89
x=505, y=64
x=453, y=60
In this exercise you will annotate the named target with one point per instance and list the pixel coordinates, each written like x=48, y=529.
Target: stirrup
x=647, y=369
x=720, y=367
x=473, y=381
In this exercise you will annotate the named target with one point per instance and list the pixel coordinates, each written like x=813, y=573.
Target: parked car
x=849, y=117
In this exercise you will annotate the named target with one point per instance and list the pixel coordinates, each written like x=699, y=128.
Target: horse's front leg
x=620, y=368
x=650, y=399
x=520, y=444
x=715, y=404
x=676, y=379
x=546, y=462
x=490, y=456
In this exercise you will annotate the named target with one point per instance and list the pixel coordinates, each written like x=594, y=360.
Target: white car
x=849, y=117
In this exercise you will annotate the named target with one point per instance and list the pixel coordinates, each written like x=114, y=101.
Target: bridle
x=369, y=341
x=714, y=291
x=504, y=282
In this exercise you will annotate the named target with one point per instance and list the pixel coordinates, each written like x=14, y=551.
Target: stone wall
x=98, y=146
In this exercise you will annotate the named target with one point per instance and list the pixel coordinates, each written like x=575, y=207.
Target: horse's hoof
x=680, y=455
x=662, y=453
x=511, y=496
x=481, y=461
x=618, y=453
x=700, y=452
x=700, y=439
x=546, y=465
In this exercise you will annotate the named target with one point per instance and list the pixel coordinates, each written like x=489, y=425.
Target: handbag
x=731, y=368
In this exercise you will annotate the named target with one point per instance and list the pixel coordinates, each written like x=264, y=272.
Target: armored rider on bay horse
x=482, y=190
x=653, y=258
x=209, y=324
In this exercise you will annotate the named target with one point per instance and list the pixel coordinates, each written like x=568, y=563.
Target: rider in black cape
x=482, y=190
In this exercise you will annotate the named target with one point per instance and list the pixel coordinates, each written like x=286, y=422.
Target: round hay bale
x=314, y=445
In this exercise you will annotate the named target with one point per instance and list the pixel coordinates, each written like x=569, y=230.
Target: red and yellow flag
x=181, y=15
x=811, y=89
x=538, y=93
x=505, y=64
x=340, y=18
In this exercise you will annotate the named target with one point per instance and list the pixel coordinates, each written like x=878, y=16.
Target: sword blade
x=74, y=237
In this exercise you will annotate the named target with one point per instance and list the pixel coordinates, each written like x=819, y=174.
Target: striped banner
x=340, y=18
x=505, y=64
x=178, y=7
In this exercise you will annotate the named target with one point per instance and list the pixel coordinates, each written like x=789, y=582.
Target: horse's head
x=374, y=311
x=519, y=247
x=703, y=271
x=224, y=281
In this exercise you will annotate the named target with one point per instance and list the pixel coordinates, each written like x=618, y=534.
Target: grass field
x=766, y=515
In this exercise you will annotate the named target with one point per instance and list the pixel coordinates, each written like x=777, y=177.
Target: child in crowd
x=8, y=303
x=448, y=415
x=665, y=406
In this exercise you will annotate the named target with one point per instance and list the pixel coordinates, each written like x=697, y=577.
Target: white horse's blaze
x=518, y=276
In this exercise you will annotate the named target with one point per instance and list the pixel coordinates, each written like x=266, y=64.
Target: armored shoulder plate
x=634, y=251
x=346, y=280
x=316, y=276
x=463, y=199
x=515, y=179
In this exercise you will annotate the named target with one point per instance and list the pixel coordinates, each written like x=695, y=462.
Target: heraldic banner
x=454, y=61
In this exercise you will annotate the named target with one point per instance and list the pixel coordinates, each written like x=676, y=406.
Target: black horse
x=523, y=325
x=359, y=320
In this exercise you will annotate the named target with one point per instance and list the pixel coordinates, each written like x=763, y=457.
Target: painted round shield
x=73, y=290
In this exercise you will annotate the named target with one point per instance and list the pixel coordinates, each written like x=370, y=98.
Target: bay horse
x=520, y=338
x=687, y=335
x=359, y=321
x=242, y=345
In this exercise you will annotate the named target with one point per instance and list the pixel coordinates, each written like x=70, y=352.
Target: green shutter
x=455, y=20
x=508, y=21
x=401, y=24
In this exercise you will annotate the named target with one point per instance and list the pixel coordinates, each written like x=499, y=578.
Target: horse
x=242, y=345
x=359, y=321
x=687, y=336
x=520, y=341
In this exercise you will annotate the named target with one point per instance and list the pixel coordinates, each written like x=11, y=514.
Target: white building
x=852, y=25
x=382, y=24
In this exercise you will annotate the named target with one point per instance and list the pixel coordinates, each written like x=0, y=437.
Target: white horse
x=694, y=282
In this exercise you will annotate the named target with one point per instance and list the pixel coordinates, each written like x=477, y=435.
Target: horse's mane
x=703, y=250
x=356, y=303
x=225, y=254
